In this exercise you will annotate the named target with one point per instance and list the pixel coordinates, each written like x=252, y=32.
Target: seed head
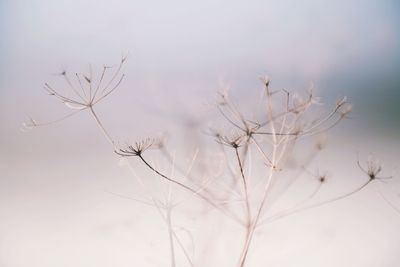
x=138, y=148
x=233, y=141
x=374, y=167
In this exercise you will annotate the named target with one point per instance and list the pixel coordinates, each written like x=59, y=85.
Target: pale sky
x=180, y=53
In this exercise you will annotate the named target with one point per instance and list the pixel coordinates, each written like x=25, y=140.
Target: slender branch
x=171, y=238
x=99, y=83
x=229, y=119
x=248, y=211
x=35, y=124
x=397, y=209
x=106, y=134
x=159, y=209
x=110, y=91
x=73, y=87
x=195, y=192
x=252, y=228
x=291, y=212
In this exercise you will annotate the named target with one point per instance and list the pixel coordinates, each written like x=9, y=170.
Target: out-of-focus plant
x=254, y=156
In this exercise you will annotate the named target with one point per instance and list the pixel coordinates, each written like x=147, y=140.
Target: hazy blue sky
x=344, y=47
x=180, y=54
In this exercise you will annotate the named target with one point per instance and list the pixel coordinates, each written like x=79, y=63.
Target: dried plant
x=269, y=142
x=86, y=93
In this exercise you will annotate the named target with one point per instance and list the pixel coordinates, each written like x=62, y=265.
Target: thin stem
x=166, y=177
x=180, y=169
x=251, y=230
x=291, y=212
x=106, y=134
x=390, y=203
x=100, y=81
x=248, y=211
x=195, y=192
x=80, y=84
x=73, y=87
x=267, y=160
x=159, y=209
x=63, y=98
x=229, y=120
x=114, y=76
x=111, y=90
x=171, y=238
x=35, y=124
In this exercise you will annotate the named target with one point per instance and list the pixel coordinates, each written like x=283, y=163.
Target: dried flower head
x=234, y=140
x=322, y=177
x=374, y=167
x=138, y=148
x=266, y=81
x=85, y=91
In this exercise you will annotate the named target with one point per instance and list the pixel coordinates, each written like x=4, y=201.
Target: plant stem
x=106, y=134
x=291, y=212
x=195, y=192
x=248, y=211
x=252, y=228
x=170, y=235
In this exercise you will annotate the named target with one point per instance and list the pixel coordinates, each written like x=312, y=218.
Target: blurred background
x=54, y=205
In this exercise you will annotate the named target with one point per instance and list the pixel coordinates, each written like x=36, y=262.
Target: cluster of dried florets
x=139, y=147
x=374, y=167
x=86, y=93
x=284, y=121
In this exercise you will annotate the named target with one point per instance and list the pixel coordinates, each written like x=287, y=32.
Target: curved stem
x=291, y=212
x=195, y=192
x=248, y=211
x=160, y=211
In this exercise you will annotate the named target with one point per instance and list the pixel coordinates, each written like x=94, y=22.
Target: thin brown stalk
x=252, y=228
x=100, y=124
x=195, y=192
x=292, y=212
x=248, y=210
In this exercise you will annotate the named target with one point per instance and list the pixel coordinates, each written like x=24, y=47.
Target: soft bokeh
x=55, y=182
